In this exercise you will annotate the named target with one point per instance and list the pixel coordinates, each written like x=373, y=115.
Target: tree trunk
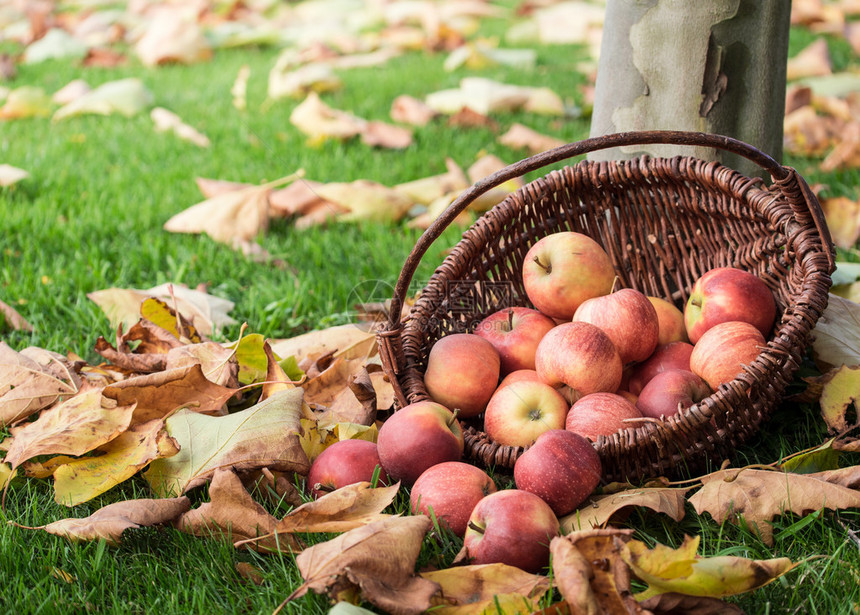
x=714, y=66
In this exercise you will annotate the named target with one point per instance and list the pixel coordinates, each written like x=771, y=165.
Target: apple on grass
x=416, y=437
x=450, y=490
x=670, y=392
x=562, y=270
x=562, y=468
x=727, y=294
x=722, y=351
x=675, y=355
x=628, y=318
x=515, y=333
x=600, y=414
x=462, y=373
x=581, y=356
x=344, y=463
x=518, y=413
x=671, y=321
x=511, y=527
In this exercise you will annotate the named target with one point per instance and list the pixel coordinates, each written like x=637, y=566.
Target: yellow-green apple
x=562, y=270
x=727, y=294
x=462, y=373
x=671, y=320
x=344, y=463
x=670, y=392
x=600, y=414
x=723, y=350
x=416, y=437
x=516, y=376
x=674, y=355
x=628, y=318
x=562, y=468
x=515, y=333
x=511, y=527
x=518, y=413
x=581, y=356
x=451, y=490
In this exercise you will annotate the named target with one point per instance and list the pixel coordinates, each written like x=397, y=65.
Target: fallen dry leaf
x=341, y=510
x=479, y=55
x=74, y=427
x=475, y=589
x=55, y=44
x=678, y=604
x=69, y=92
x=264, y=435
x=81, y=480
x=598, y=510
x=26, y=101
x=289, y=81
x=410, y=110
x=9, y=314
x=836, y=336
x=843, y=216
x=298, y=198
x=366, y=200
x=239, y=90
x=27, y=385
x=380, y=134
x=840, y=390
x=110, y=522
x=250, y=573
x=126, y=96
x=377, y=559
x=168, y=121
x=486, y=96
x=467, y=117
x=320, y=122
x=428, y=189
x=217, y=362
x=11, y=175
x=753, y=497
x=523, y=137
x=683, y=571
x=812, y=61
x=172, y=35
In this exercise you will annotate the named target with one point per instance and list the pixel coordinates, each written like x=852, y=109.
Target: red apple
x=562, y=468
x=511, y=527
x=670, y=392
x=515, y=333
x=344, y=463
x=675, y=355
x=727, y=294
x=562, y=270
x=451, y=489
x=518, y=413
x=462, y=373
x=671, y=319
x=628, y=318
x=518, y=375
x=416, y=437
x=600, y=414
x=581, y=356
x=723, y=350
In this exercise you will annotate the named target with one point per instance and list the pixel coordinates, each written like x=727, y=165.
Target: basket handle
x=785, y=177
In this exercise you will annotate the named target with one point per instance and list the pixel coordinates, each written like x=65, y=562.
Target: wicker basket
x=664, y=222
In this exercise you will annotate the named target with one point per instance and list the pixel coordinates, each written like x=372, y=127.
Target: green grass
x=90, y=218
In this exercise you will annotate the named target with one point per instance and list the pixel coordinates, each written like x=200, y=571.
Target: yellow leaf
x=314, y=438
x=840, y=391
x=366, y=200
x=28, y=384
x=6, y=474
x=683, y=571
x=159, y=313
x=477, y=589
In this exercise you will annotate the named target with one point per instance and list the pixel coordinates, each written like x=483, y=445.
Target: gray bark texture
x=713, y=66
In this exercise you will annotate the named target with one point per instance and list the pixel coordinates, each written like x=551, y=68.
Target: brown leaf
x=159, y=394
x=231, y=513
x=13, y=318
x=74, y=427
x=523, y=137
x=410, y=110
x=250, y=573
x=848, y=477
x=754, y=497
x=345, y=391
x=845, y=155
x=380, y=134
x=379, y=559
x=469, y=118
x=148, y=338
x=472, y=590
x=589, y=572
x=104, y=58
x=341, y=510
x=128, y=361
x=172, y=35
x=813, y=60
x=27, y=385
x=217, y=362
x=214, y=187
x=296, y=199
x=682, y=604
x=110, y=522
x=599, y=510
x=320, y=122
x=276, y=378
x=349, y=340
x=277, y=487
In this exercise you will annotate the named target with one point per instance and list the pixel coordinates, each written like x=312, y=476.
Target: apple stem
x=323, y=488
x=547, y=268
x=453, y=418
x=696, y=302
x=510, y=319
x=615, y=282
x=473, y=526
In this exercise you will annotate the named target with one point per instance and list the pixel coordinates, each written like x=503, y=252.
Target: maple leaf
x=28, y=385
x=475, y=589
x=108, y=523
x=753, y=497
x=264, y=435
x=598, y=510
x=378, y=559
x=80, y=480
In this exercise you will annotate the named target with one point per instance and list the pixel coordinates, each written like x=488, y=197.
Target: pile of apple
x=588, y=361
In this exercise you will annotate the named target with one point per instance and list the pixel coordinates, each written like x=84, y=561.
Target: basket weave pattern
x=663, y=222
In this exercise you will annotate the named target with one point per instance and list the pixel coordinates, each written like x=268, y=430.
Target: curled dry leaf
x=341, y=510
x=840, y=389
x=410, y=110
x=172, y=36
x=843, y=214
x=110, y=522
x=126, y=96
x=76, y=426
x=167, y=121
x=683, y=571
x=319, y=121
x=671, y=604
x=377, y=559
x=520, y=136
x=836, y=336
x=262, y=436
x=470, y=590
x=11, y=175
x=81, y=480
x=600, y=510
x=217, y=362
x=754, y=497
x=28, y=385
x=8, y=314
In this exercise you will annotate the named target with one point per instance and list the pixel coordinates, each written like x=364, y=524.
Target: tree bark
x=713, y=66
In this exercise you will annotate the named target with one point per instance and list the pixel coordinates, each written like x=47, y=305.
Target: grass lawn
x=90, y=217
